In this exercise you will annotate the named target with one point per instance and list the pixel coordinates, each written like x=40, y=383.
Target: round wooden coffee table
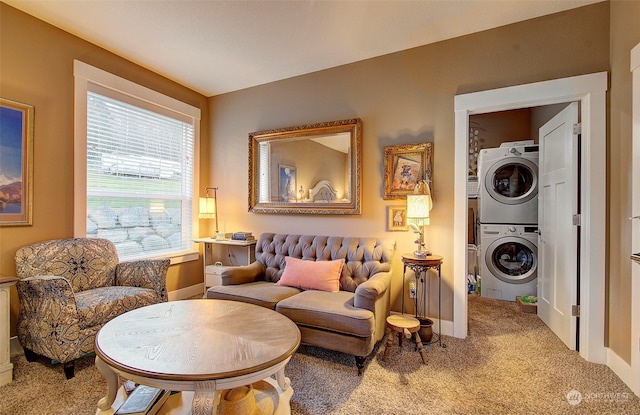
x=197, y=345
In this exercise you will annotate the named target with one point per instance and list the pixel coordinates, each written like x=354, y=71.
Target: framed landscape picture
x=16, y=163
x=405, y=166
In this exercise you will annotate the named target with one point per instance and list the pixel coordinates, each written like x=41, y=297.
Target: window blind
x=265, y=166
x=139, y=177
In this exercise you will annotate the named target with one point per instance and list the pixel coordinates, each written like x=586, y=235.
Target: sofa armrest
x=371, y=290
x=243, y=274
x=144, y=273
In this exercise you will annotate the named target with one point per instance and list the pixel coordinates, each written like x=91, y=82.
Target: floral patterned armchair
x=69, y=288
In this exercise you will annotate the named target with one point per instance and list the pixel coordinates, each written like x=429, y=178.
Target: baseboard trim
x=187, y=292
x=624, y=371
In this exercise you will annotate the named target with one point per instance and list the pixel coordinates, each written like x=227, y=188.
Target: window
x=265, y=168
x=135, y=163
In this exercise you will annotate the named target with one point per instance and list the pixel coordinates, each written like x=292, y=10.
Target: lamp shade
x=207, y=208
x=418, y=207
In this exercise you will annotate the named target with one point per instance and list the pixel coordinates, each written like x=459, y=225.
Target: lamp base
x=421, y=254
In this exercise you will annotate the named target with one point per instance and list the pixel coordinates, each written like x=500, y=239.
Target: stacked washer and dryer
x=508, y=220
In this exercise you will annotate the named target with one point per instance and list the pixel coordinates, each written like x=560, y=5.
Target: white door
x=558, y=240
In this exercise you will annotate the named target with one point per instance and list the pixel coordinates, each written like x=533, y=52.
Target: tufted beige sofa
x=351, y=320
x=69, y=288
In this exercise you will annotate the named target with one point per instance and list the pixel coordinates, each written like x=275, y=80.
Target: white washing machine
x=508, y=184
x=508, y=260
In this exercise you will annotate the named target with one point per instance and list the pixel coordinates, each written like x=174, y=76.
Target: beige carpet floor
x=509, y=364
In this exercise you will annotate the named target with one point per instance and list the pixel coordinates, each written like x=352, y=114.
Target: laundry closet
x=503, y=201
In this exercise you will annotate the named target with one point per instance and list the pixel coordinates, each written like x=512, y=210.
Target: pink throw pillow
x=312, y=275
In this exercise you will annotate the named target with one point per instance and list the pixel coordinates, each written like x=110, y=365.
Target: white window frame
x=85, y=77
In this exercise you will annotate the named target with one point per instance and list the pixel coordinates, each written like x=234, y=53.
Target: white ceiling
x=215, y=46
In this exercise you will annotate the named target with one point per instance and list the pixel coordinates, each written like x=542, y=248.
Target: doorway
x=590, y=91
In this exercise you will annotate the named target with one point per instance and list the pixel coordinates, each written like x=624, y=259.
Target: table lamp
x=209, y=207
x=418, y=206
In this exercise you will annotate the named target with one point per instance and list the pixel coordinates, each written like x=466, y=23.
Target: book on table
x=243, y=236
x=247, y=239
x=144, y=400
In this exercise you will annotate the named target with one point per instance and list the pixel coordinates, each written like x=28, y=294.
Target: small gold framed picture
x=397, y=218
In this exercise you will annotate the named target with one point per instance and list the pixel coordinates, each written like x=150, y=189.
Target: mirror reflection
x=311, y=169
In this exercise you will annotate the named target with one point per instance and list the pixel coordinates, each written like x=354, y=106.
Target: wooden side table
x=422, y=265
x=6, y=367
x=210, y=260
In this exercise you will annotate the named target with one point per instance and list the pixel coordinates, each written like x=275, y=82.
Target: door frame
x=631, y=373
x=590, y=90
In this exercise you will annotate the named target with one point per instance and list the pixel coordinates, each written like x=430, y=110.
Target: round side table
x=421, y=266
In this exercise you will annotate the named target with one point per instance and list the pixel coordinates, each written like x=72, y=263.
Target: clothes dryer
x=508, y=184
x=509, y=261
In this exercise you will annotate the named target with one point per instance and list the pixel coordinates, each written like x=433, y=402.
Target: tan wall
x=405, y=97
x=625, y=34
x=36, y=67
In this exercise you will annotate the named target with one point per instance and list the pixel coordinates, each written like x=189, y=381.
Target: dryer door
x=512, y=259
x=512, y=180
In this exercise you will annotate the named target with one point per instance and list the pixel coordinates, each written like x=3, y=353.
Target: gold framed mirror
x=309, y=169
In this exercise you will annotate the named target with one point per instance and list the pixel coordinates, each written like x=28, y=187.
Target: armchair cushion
x=99, y=305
